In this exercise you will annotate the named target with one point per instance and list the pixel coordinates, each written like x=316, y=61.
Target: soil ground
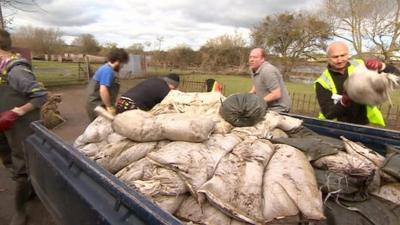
x=72, y=109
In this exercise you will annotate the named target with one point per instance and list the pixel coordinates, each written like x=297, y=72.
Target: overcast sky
x=138, y=21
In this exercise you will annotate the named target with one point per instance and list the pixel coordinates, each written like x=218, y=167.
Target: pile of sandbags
x=178, y=160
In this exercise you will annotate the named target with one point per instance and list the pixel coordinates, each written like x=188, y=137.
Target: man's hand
x=374, y=64
x=7, y=120
x=345, y=101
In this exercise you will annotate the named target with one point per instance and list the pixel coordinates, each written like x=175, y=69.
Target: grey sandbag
x=243, y=110
x=391, y=165
x=314, y=147
x=342, y=186
x=374, y=211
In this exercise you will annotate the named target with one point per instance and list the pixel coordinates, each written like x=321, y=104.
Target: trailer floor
x=72, y=108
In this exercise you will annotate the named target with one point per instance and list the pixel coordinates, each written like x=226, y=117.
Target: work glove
x=345, y=101
x=374, y=64
x=8, y=118
x=111, y=110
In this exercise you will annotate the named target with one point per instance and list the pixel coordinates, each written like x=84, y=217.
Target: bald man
x=268, y=82
x=333, y=101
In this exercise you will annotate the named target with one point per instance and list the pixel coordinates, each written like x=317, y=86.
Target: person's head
x=117, y=57
x=256, y=58
x=209, y=84
x=172, y=80
x=338, y=55
x=5, y=40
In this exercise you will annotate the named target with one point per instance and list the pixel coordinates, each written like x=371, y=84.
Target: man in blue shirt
x=103, y=88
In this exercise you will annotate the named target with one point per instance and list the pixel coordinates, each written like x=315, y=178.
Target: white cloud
x=137, y=21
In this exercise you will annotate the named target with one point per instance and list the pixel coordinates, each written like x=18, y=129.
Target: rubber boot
x=21, y=197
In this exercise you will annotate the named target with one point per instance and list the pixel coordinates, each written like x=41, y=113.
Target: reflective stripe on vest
x=217, y=87
x=325, y=80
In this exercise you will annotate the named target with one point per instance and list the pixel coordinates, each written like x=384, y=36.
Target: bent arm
x=273, y=95
x=326, y=104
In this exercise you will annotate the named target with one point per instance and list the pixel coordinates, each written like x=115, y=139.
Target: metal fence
x=306, y=104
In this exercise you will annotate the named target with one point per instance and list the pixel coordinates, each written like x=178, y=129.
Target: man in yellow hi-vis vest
x=332, y=99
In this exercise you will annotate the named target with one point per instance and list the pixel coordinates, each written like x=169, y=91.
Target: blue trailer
x=75, y=190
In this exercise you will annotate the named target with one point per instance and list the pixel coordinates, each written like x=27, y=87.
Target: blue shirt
x=104, y=75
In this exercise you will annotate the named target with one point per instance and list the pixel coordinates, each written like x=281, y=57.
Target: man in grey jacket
x=21, y=97
x=268, y=82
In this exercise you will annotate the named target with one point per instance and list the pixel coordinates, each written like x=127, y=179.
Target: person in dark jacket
x=148, y=93
x=333, y=101
x=103, y=88
x=21, y=98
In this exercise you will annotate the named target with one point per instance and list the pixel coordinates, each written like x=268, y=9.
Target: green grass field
x=55, y=74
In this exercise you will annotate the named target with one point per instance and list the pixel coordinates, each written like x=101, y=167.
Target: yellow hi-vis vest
x=325, y=80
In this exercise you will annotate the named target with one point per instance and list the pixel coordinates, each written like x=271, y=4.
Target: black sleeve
x=389, y=68
x=326, y=104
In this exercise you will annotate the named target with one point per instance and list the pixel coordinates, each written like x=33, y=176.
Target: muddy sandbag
x=236, y=187
x=129, y=155
x=192, y=161
x=391, y=165
x=110, y=151
x=390, y=192
x=290, y=186
x=96, y=131
x=346, y=163
x=221, y=126
x=362, y=151
x=92, y=149
x=137, y=125
x=160, y=181
x=189, y=102
x=373, y=211
x=339, y=185
x=278, y=133
x=314, y=147
x=205, y=213
x=114, y=138
x=302, y=131
x=287, y=123
x=169, y=203
x=185, y=127
x=136, y=171
x=243, y=110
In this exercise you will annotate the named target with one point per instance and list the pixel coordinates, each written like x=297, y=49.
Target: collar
x=258, y=70
x=333, y=71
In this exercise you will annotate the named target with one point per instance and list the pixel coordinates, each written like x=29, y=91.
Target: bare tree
x=88, y=44
x=16, y=5
x=39, y=40
x=383, y=27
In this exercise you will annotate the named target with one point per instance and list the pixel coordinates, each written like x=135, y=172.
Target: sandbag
x=373, y=211
x=207, y=103
x=365, y=153
x=346, y=163
x=287, y=123
x=314, y=147
x=136, y=171
x=137, y=125
x=191, y=161
x=236, y=187
x=128, y=156
x=97, y=131
x=109, y=151
x=169, y=203
x=390, y=192
x=342, y=186
x=290, y=186
x=278, y=133
x=204, y=213
x=160, y=181
x=243, y=110
x=185, y=127
x=391, y=165
x=92, y=149
x=114, y=138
